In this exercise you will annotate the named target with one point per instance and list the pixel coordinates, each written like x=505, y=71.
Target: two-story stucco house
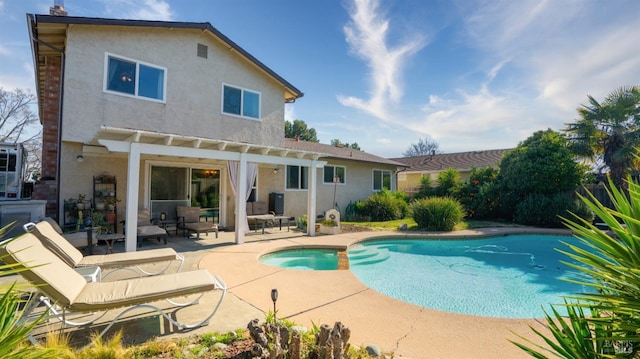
x=178, y=113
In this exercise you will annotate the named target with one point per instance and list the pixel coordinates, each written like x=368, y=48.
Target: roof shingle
x=338, y=152
x=459, y=161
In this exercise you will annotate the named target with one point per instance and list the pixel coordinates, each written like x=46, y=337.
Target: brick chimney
x=58, y=8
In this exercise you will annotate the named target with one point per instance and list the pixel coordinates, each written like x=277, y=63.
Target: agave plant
x=610, y=260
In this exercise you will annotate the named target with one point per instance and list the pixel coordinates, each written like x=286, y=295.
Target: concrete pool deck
x=325, y=297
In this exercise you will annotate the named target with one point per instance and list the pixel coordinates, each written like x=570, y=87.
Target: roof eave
x=291, y=93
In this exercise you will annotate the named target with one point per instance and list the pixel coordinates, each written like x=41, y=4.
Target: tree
x=336, y=142
x=299, y=129
x=424, y=147
x=447, y=180
x=19, y=123
x=609, y=131
x=541, y=166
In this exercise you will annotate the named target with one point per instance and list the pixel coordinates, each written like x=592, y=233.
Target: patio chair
x=70, y=292
x=147, y=228
x=117, y=261
x=189, y=221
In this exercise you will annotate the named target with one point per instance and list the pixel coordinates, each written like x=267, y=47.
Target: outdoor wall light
x=276, y=170
x=80, y=158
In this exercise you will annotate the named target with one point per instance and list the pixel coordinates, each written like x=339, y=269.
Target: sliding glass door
x=183, y=186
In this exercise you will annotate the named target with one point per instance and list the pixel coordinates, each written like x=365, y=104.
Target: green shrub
x=545, y=210
x=383, y=206
x=447, y=180
x=477, y=196
x=424, y=190
x=437, y=213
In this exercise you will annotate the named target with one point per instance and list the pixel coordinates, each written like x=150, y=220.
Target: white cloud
x=4, y=51
x=366, y=35
x=289, y=112
x=139, y=9
x=547, y=57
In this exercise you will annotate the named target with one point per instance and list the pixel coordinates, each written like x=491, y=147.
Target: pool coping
x=324, y=297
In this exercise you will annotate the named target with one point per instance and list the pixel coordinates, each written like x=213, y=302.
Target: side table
x=168, y=225
x=110, y=238
x=91, y=273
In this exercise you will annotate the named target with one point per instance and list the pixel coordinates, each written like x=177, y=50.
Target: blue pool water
x=506, y=277
x=304, y=259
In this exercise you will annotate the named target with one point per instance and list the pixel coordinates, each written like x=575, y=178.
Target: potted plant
x=301, y=223
x=329, y=226
x=111, y=202
x=99, y=223
x=80, y=202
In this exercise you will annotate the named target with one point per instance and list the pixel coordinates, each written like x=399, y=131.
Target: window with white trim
x=240, y=102
x=297, y=177
x=134, y=78
x=381, y=179
x=334, y=174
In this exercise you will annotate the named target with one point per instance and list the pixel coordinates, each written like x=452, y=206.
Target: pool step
x=370, y=256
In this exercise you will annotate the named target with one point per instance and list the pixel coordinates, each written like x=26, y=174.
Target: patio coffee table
x=280, y=218
x=263, y=218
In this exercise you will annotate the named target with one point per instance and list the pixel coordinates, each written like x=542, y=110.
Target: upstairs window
x=334, y=174
x=134, y=78
x=240, y=102
x=381, y=179
x=297, y=177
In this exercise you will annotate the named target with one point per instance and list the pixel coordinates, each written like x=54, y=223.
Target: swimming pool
x=303, y=259
x=506, y=277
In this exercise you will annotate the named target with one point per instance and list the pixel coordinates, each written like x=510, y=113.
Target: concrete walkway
x=324, y=297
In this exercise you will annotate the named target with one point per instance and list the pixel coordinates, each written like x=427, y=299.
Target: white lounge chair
x=123, y=261
x=63, y=290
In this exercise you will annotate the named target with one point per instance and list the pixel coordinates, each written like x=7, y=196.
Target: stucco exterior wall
x=193, y=93
x=77, y=177
x=411, y=183
x=358, y=186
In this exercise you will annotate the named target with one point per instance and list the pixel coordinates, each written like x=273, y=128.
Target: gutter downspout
x=60, y=98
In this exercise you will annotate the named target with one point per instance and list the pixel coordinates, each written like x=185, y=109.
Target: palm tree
x=609, y=131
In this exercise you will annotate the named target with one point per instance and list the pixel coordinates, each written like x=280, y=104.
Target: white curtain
x=243, y=191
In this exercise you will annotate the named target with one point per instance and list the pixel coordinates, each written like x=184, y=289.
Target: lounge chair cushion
x=151, y=231
x=129, y=259
x=144, y=217
x=69, y=289
x=77, y=239
x=74, y=258
x=62, y=284
x=107, y=295
x=58, y=244
x=53, y=224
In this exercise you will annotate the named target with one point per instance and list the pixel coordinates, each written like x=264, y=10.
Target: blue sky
x=469, y=74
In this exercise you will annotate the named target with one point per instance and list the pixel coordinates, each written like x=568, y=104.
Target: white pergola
x=135, y=143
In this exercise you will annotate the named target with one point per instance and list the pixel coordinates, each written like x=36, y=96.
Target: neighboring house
x=432, y=165
x=168, y=108
x=348, y=176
